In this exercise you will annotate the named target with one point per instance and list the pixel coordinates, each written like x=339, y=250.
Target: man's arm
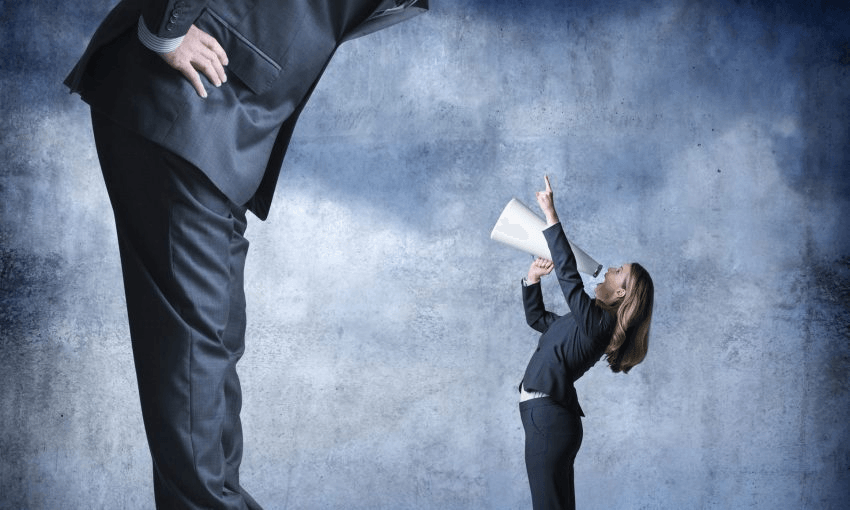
x=169, y=20
x=388, y=12
x=166, y=28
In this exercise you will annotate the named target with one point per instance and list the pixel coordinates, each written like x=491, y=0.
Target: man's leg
x=234, y=335
x=182, y=255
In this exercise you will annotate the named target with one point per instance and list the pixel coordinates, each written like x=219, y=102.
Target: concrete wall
x=707, y=140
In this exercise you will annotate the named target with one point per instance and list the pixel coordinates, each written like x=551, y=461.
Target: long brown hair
x=630, y=340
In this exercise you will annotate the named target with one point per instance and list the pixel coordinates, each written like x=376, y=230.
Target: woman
x=616, y=324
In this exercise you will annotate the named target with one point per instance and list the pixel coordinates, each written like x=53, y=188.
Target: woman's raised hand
x=547, y=203
x=539, y=268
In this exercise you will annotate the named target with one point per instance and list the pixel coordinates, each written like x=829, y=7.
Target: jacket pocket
x=247, y=62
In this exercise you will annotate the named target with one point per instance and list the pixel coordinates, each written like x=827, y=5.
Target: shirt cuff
x=154, y=43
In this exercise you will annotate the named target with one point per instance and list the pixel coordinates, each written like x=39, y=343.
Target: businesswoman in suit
x=615, y=324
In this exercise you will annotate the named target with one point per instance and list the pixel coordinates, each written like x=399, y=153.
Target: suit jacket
x=572, y=343
x=238, y=135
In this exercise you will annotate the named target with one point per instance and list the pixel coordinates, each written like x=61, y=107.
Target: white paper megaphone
x=520, y=228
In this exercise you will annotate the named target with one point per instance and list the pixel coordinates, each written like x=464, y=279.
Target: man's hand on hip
x=199, y=51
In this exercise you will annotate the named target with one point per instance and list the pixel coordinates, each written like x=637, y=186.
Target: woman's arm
x=532, y=297
x=581, y=306
x=586, y=315
x=546, y=201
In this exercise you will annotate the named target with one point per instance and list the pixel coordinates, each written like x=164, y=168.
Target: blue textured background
x=707, y=140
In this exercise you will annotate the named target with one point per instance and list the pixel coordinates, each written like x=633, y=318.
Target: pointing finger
x=548, y=186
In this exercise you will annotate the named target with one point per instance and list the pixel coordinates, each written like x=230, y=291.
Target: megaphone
x=520, y=228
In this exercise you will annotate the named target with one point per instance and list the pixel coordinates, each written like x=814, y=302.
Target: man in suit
x=193, y=105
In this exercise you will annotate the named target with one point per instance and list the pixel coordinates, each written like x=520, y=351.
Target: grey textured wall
x=707, y=140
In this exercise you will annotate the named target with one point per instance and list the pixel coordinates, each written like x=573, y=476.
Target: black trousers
x=183, y=252
x=552, y=438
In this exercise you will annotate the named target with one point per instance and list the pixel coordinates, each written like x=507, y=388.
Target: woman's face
x=613, y=287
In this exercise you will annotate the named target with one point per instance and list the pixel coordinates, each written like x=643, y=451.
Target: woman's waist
x=528, y=395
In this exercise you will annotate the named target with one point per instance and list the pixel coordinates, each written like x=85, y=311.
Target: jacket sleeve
x=535, y=312
x=388, y=13
x=586, y=315
x=169, y=19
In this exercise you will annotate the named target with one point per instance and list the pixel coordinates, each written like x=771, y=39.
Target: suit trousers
x=183, y=252
x=553, y=436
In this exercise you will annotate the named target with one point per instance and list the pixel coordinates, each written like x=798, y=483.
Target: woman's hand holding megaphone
x=547, y=203
x=539, y=268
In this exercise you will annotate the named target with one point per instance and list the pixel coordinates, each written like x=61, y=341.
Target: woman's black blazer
x=572, y=343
